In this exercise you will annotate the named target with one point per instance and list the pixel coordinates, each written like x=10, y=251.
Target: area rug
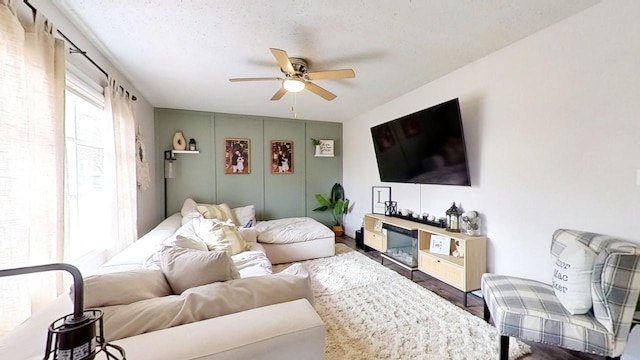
x=372, y=312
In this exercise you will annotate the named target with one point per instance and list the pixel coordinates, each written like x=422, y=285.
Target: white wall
x=552, y=127
x=149, y=210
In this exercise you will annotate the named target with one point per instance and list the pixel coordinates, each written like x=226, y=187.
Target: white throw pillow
x=189, y=243
x=187, y=268
x=572, y=277
x=245, y=214
x=189, y=211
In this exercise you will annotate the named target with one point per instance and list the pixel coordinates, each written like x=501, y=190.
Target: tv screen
x=426, y=147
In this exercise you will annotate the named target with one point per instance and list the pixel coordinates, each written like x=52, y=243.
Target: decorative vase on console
x=179, y=142
x=470, y=223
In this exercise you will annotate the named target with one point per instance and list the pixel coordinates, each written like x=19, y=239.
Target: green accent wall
x=202, y=177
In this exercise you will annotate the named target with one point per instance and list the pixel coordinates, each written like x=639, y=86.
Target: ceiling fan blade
x=331, y=74
x=254, y=79
x=319, y=91
x=283, y=60
x=279, y=94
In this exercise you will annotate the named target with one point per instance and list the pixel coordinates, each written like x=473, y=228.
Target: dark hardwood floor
x=475, y=306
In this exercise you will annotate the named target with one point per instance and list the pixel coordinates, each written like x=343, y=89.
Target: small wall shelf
x=171, y=154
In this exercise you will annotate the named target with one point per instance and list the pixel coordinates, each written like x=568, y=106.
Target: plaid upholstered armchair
x=531, y=311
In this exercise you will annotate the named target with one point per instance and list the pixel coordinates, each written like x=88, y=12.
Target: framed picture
x=380, y=195
x=281, y=157
x=237, y=156
x=440, y=245
x=326, y=148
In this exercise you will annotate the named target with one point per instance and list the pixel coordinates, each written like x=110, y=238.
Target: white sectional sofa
x=287, y=330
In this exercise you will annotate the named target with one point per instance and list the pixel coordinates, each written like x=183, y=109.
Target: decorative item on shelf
x=192, y=144
x=77, y=336
x=459, y=251
x=415, y=215
x=379, y=197
x=316, y=146
x=337, y=203
x=453, y=218
x=179, y=142
x=425, y=216
x=390, y=208
x=405, y=212
x=440, y=245
x=470, y=223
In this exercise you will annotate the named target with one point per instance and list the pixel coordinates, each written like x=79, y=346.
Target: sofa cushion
x=125, y=287
x=207, y=301
x=572, y=277
x=187, y=268
x=225, y=236
x=245, y=215
x=189, y=211
x=220, y=212
x=250, y=235
x=188, y=243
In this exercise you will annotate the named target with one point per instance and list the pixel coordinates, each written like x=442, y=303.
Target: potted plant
x=337, y=204
x=316, y=145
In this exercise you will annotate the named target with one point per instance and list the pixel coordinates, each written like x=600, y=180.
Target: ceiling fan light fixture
x=293, y=84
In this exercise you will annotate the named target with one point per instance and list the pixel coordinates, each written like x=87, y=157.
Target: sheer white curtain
x=124, y=209
x=31, y=161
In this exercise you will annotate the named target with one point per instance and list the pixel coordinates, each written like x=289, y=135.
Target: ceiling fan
x=297, y=77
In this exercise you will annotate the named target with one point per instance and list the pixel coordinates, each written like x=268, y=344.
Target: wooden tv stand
x=463, y=273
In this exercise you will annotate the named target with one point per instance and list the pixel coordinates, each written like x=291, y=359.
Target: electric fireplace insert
x=402, y=247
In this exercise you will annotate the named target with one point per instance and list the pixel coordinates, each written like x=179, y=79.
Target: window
x=88, y=193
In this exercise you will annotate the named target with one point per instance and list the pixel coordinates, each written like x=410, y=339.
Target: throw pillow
x=248, y=234
x=126, y=287
x=187, y=268
x=189, y=243
x=245, y=215
x=189, y=211
x=225, y=236
x=220, y=212
x=572, y=277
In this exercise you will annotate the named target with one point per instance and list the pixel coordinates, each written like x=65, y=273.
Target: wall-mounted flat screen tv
x=426, y=147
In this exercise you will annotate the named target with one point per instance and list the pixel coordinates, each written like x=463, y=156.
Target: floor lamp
x=169, y=173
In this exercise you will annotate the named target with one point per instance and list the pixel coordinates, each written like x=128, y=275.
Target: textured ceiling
x=180, y=54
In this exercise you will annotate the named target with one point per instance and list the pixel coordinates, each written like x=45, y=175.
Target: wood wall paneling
x=202, y=176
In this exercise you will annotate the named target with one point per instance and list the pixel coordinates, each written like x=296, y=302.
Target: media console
x=463, y=273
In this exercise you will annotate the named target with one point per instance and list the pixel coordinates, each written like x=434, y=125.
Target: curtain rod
x=77, y=50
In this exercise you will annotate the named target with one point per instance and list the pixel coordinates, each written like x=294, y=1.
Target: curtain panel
x=124, y=209
x=31, y=161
